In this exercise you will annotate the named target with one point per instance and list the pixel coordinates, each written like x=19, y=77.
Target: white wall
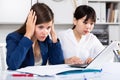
x=7, y=28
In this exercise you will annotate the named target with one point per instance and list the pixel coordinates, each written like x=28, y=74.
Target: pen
x=84, y=77
x=22, y=75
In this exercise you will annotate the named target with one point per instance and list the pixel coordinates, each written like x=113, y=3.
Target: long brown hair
x=44, y=14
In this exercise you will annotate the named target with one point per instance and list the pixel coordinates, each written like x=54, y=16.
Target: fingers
x=88, y=60
x=31, y=17
x=30, y=24
x=77, y=60
x=74, y=60
x=34, y=18
x=34, y=22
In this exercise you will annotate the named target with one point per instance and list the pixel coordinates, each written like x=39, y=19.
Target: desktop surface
x=110, y=72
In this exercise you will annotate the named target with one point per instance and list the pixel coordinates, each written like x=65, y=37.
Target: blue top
x=20, y=52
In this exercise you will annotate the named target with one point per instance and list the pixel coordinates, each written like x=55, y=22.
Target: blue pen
x=84, y=78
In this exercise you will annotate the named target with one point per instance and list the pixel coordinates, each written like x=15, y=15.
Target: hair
x=43, y=13
x=84, y=10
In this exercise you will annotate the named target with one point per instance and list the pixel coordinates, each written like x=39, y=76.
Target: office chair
x=3, y=65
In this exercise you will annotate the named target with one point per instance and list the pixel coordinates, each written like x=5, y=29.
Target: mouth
x=43, y=37
x=86, y=31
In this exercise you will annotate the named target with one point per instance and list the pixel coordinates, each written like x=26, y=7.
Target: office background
x=14, y=14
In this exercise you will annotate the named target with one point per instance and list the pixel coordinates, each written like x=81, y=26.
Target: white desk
x=6, y=76
x=111, y=71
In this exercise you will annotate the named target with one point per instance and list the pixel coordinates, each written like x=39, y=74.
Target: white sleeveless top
x=38, y=61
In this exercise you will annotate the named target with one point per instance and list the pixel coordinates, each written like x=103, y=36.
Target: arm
x=97, y=47
x=30, y=25
x=53, y=35
x=55, y=53
x=16, y=51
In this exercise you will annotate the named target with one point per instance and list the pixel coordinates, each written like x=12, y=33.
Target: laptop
x=106, y=55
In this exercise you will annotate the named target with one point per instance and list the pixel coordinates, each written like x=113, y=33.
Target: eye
x=85, y=22
x=41, y=27
x=48, y=27
x=92, y=23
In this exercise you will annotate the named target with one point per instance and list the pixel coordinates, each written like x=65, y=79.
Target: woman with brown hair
x=31, y=44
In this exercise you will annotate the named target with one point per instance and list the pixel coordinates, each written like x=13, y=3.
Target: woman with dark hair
x=78, y=44
x=31, y=45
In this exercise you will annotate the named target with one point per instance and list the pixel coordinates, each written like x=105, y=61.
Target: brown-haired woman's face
x=43, y=30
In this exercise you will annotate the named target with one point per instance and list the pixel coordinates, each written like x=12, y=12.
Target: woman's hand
x=30, y=24
x=53, y=34
x=73, y=60
x=88, y=60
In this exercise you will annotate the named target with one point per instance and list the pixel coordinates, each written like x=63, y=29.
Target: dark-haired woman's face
x=84, y=27
x=43, y=30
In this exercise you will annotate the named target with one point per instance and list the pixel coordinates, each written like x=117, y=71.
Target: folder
x=53, y=70
x=116, y=16
x=111, y=12
x=96, y=6
x=103, y=12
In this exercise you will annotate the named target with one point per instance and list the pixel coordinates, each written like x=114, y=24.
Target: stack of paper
x=52, y=70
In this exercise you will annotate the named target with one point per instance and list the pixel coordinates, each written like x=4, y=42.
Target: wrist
x=54, y=38
x=28, y=36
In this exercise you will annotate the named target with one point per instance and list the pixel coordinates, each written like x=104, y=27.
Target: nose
x=88, y=26
x=45, y=31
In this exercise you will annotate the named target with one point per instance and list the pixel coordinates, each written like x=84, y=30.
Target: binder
x=116, y=16
x=103, y=12
x=96, y=6
x=111, y=12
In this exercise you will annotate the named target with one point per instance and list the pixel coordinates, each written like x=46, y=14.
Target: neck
x=77, y=35
x=33, y=39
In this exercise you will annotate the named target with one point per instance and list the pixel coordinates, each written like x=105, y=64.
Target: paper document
x=52, y=70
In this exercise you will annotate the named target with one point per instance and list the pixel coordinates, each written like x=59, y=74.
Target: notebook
x=106, y=55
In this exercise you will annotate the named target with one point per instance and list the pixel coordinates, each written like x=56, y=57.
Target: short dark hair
x=85, y=10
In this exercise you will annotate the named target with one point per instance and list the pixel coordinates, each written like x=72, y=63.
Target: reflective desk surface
x=111, y=71
x=6, y=75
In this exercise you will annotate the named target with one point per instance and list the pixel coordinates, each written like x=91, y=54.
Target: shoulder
x=65, y=33
x=14, y=35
